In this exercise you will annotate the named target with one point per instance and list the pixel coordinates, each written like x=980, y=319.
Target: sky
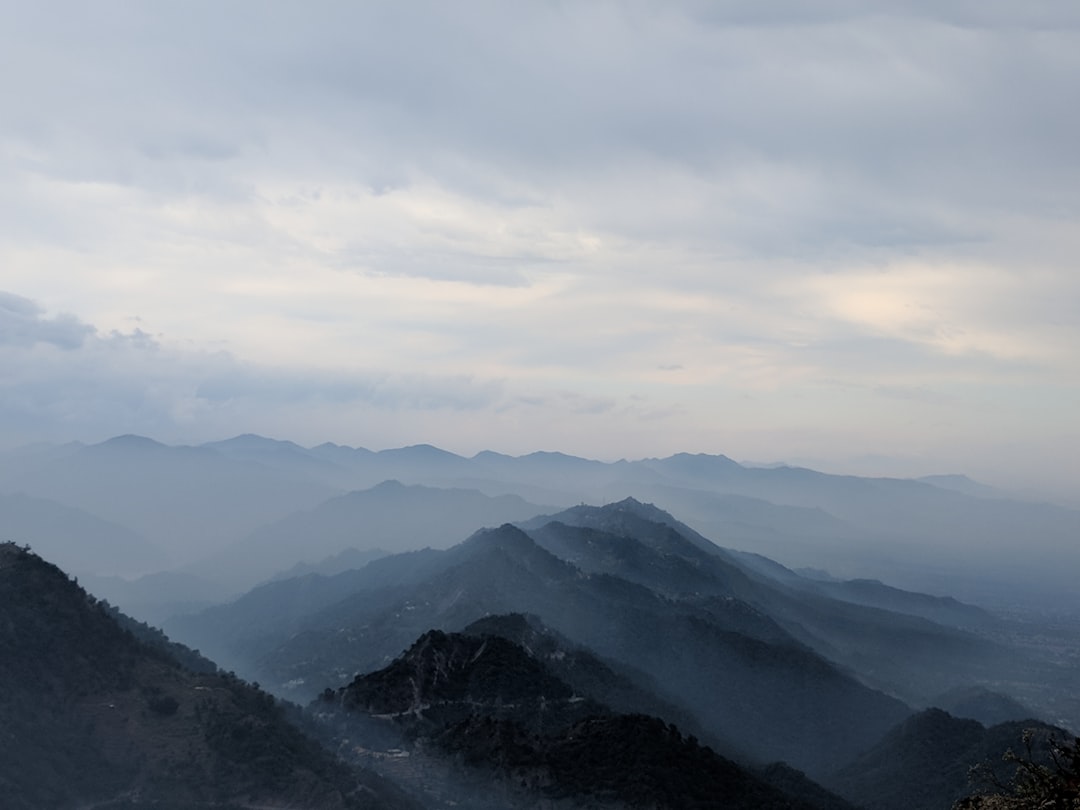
x=843, y=234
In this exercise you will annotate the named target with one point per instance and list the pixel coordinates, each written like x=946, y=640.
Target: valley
x=467, y=645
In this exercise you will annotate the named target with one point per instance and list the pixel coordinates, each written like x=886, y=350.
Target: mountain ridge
x=94, y=716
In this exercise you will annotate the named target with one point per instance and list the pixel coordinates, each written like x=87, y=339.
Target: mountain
x=901, y=525
x=908, y=645
x=186, y=500
x=979, y=703
x=79, y=541
x=158, y=596
x=802, y=708
x=92, y=716
x=961, y=483
x=630, y=517
x=390, y=516
x=757, y=597
x=240, y=632
x=346, y=560
x=497, y=709
x=873, y=593
x=620, y=688
x=284, y=456
x=925, y=763
x=941, y=535
x=443, y=679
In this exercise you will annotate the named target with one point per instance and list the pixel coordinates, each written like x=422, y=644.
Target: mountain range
x=467, y=644
x=729, y=645
x=201, y=508
x=652, y=668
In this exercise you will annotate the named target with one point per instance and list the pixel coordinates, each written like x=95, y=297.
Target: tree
x=1047, y=779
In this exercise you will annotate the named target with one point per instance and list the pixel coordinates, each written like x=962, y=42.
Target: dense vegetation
x=89, y=714
x=491, y=706
x=1046, y=777
x=623, y=760
x=926, y=762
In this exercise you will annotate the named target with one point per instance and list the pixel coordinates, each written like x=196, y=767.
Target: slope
x=497, y=708
x=79, y=541
x=391, y=516
x=926, y=762
x=801, y=708
x=91, y=715
x=902, y=653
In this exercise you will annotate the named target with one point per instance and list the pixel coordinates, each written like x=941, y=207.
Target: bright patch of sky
x=838, y=233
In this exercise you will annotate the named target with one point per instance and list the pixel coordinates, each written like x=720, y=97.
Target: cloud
x=444, y=212
x=22, y=324
x=272, y=387
x=65, y=377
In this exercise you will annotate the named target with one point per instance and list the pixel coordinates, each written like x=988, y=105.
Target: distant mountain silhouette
x=944, y=534
x=185, y=500
x=78, y=540
x=961, y=483
x=389, y=516
x=347, y=560
x=979, y=703
x=157, y=597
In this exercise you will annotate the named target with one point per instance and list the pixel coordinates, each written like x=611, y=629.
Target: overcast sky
x=843, y=233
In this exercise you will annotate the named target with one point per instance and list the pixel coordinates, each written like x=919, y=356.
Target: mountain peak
x=510, y=545
x=420, y=451
x=389, y=485
x=253, y=441
x=130, y=441
x=11, y=553
x=695, y=467
x=491, y=455
x=506, y=536
x=629, y=517
x=639, y=508
x=456, y=673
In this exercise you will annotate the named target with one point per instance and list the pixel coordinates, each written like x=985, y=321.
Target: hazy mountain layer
x=189, y=501
x=390, y=515
x=802, y=708
x=942, y=535
x=79, y=541
x=901, y=653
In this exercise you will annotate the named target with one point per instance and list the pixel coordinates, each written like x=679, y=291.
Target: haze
x=843, y=236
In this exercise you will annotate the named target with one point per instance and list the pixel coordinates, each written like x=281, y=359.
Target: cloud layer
x=609, y=228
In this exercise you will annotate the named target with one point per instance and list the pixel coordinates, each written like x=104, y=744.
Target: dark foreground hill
x=521, y=737
x=90, y=716
x=926, y=762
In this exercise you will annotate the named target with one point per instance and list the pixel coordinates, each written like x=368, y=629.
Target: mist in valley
x=769, y=614
x=539, y=406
